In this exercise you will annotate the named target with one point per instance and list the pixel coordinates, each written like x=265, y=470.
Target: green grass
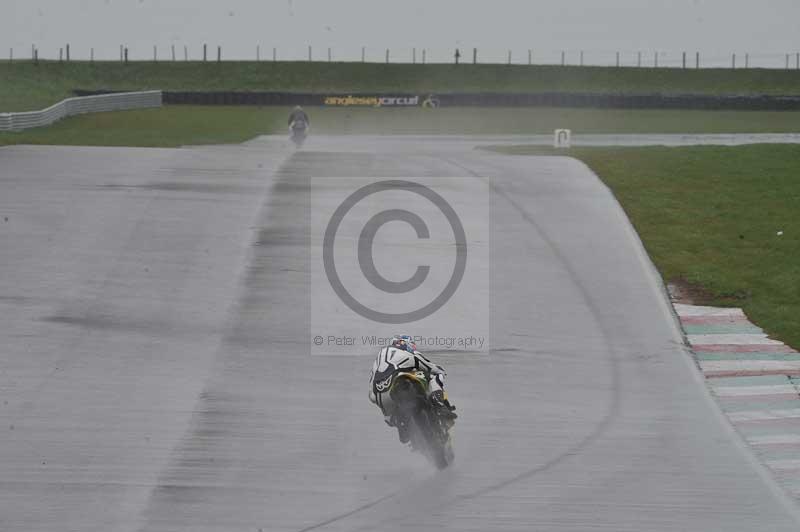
x=164, y=127
x=183, y=125
x=710, y=216
x=544, y=120
x=25, y=86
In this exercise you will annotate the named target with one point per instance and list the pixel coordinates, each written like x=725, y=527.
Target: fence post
x=697, y=60
x=747, y=60
x=457, y=55
x=563, y=58
x=424, y=53
x=387, y=56
x=530, y=57
x=413, y=56
x=474, y=56
x=274, y=54
x=684, y=60
x=797, y=66
x=185, y=53
x=219, y=53
x=581, y=57
x=329, y=55
x=173, y=52
x=67, y=51
x=121, y=54
x=509, y=57
x=787, y=61
x=655, y=61
x=36, y=56
x=126, y=55
x=205, y=52
x=60, y=55
x=733, y=62
x=309, y=52
x=363, y=54
x=155, y=53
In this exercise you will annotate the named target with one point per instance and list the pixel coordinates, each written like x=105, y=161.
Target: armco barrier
x=79, y=105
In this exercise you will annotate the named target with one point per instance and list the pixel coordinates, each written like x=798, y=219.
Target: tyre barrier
x=489, y=99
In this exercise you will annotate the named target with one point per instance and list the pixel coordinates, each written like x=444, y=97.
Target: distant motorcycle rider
x=395, y=359
x=298, y=116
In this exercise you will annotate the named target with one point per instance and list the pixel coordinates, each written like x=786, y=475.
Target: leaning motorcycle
x=429, y=432
x=299, y=131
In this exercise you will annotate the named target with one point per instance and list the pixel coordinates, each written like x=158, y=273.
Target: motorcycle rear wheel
x=427, y=435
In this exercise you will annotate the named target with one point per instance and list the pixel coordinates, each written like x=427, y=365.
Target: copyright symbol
x=366, y=260
x=318, y=340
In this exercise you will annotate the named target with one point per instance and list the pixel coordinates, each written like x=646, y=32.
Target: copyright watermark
x=366, y=260
x=424, y=343
x=392, y=256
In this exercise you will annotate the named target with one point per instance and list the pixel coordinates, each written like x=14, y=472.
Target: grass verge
x=542, y=120
x=710, y=216
x=165, y=127
x=25, y=86
x=183, y=125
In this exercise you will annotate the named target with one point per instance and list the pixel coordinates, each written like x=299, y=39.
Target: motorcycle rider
x=298, y=116
x=395, y=359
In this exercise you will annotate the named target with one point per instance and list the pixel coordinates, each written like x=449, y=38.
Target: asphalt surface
x=441, y=143
x=156, y=370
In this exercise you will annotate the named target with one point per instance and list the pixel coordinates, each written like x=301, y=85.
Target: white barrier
x=80, y=105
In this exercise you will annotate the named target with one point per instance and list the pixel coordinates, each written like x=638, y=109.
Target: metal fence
x=80, y=105
x=733, y=59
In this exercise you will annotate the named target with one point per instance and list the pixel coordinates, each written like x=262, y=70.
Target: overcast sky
x=601, y=27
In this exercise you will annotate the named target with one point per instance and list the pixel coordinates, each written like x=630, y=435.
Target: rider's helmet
x=404, y=342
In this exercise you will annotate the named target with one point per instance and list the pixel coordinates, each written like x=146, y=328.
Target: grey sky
x=601, y=27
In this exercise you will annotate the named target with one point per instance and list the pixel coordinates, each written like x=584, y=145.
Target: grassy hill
x=25, y=86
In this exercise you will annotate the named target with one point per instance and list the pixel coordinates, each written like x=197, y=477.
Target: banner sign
x=483, y=99
x=372, y=101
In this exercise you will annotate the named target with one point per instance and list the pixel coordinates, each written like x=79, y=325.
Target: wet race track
x=157, y=370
